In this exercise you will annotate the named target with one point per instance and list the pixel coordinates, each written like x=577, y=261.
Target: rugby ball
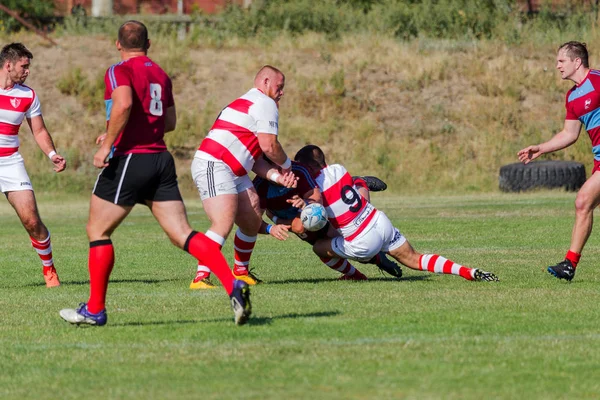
x=313, y=217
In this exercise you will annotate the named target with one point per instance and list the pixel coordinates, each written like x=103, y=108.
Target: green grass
x=311, y=336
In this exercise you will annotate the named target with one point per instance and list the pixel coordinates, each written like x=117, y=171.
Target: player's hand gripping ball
x=313, y=217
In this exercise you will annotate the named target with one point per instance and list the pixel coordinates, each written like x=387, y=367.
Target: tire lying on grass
x=519, y=177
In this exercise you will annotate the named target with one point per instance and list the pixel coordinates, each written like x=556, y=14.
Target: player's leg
x=361, y=249
x=342, y=265
x=588, y=198
x=398, y=247
x=172, y=218
x=24, y=203
x=248, y=219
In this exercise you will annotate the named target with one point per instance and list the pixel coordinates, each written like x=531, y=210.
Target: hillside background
x=429, y=99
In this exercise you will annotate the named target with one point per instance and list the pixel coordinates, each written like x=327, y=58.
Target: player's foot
x=373, y=183
x=482, y=276
x=202, y=281
x=563, y=270
x=247, y=277
x=356, y=276
x=240, y=302
x=387, y=265
x=51, y=277
x=83, y=316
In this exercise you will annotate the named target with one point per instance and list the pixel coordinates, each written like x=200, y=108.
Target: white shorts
x=13, y=176
x=380, y=235
x=215, y=178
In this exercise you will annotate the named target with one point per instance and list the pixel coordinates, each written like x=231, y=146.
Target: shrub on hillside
x=31, y=10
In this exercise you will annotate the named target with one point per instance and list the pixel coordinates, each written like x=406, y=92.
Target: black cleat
x=483, y=276
x=563, y=270
x=240, y=302
x=373, y=183
x=387, y=265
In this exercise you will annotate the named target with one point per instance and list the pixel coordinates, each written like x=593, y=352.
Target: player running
x=137, y=168
x=364, y=230
x=19, y=102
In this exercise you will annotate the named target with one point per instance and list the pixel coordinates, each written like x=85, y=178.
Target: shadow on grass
x=258, y=321
x=115, y=281
x=375, y=279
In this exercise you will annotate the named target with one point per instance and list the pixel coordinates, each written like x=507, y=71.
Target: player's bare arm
x=119, y=115
x=272, y=149
x=170, y=119
x=562, y=139
x=266, y=170
x=44, y=140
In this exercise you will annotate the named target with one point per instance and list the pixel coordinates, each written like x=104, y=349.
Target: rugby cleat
x=51, y=277
x=387, y=265
x=563, y=270
x=240, y=302
x=356, y=276
x=373, y=183
x=249, y=278
x=202, y=281
x=482, y=276
x=83, y=316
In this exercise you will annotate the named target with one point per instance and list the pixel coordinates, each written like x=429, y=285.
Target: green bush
x=32, y=10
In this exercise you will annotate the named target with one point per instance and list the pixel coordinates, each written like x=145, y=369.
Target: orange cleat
x=51, y=277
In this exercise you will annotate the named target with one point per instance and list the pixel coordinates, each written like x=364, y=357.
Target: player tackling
x=364, y=230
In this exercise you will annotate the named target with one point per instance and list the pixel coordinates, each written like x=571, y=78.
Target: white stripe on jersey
x=235, y=147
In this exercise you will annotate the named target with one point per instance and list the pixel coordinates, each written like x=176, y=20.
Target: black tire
x=519, y=177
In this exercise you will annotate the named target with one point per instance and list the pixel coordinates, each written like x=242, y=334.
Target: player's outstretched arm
x=562, y=139
x=270, y=145
x=44, y=140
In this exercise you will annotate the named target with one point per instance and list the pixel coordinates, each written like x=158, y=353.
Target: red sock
x=100, y=264
x=208, y=253
x=243, y=246
x=44, y=250
x=440, y=265
x=573, y=257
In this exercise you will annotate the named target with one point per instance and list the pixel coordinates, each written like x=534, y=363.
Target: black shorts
x=136, y=178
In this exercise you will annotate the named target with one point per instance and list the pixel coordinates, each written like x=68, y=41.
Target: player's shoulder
x=20, y=90
x=259, y=98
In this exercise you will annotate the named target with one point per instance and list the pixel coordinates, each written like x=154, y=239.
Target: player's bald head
x=133, y=35
x=312, y=156
x=267, y=72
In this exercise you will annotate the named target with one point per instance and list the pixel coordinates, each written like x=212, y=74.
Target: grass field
x=426, y=336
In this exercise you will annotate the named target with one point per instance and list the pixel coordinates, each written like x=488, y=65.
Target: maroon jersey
x=152, y=96
x=274, y=197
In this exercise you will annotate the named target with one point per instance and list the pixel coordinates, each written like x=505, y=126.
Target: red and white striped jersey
x=347, y=210
x=233, y=137
x=16, y=103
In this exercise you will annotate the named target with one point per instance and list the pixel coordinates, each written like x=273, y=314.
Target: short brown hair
x=14, y=52
x=133, y=35
x=576, y=50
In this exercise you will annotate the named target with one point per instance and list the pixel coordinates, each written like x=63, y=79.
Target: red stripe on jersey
x=362, y=226
x=431, y=263
x=241, y=105
x=220, y=152
x=7, y=151
x=334, y=192
x=12, y=103
x=447, y=269
x=9, y=129
x=245, y=136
